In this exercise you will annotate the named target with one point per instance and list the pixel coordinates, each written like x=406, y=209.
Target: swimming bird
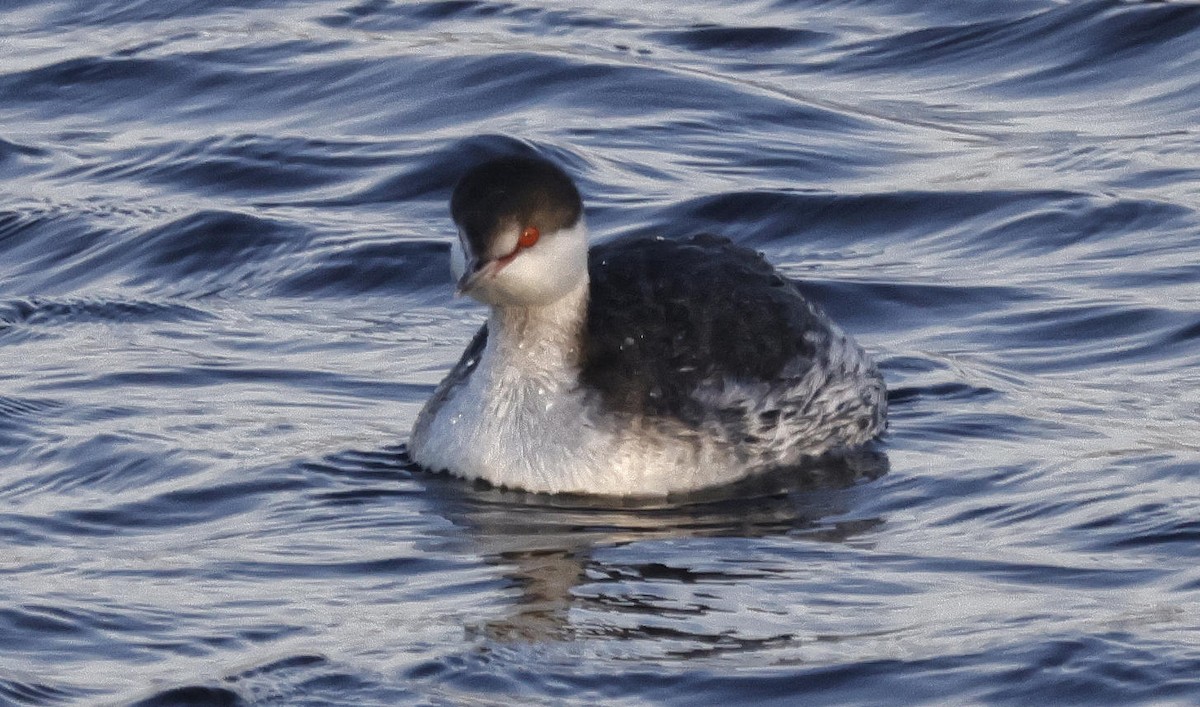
x=640, y=367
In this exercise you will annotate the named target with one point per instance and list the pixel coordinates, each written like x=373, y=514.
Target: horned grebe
x=641, y=368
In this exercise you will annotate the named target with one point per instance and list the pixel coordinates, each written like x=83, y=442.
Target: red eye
x=529, y=236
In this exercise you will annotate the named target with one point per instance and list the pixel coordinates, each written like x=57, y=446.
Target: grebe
x=642, y=367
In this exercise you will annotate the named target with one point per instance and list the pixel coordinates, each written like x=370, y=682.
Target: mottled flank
x=450, y=385
x=710, y=334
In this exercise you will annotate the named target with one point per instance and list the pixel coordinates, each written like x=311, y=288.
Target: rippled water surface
x=224, y=297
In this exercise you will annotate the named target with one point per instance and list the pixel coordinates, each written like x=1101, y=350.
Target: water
x=224, y=297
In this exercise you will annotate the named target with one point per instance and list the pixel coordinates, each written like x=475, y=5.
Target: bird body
x=641, y=368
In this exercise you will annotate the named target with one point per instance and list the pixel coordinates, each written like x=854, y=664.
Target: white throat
x=540, y=341
x=516, y=419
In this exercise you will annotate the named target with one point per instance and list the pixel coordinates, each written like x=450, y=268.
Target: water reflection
x=547, y=546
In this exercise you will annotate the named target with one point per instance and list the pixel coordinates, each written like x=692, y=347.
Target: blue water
x=224, y=297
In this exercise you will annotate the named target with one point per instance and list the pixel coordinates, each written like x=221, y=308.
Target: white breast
x=545, y=434
x=522, y=420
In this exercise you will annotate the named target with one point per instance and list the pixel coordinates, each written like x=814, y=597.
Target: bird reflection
x=546, y=545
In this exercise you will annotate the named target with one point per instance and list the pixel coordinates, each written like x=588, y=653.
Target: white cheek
x=458, y=260
x=504, y=243
x=545, y=272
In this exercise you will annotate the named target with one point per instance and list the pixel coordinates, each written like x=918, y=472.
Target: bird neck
x=546, y=338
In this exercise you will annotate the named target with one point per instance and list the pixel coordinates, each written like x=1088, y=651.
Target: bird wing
x=666, y=318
